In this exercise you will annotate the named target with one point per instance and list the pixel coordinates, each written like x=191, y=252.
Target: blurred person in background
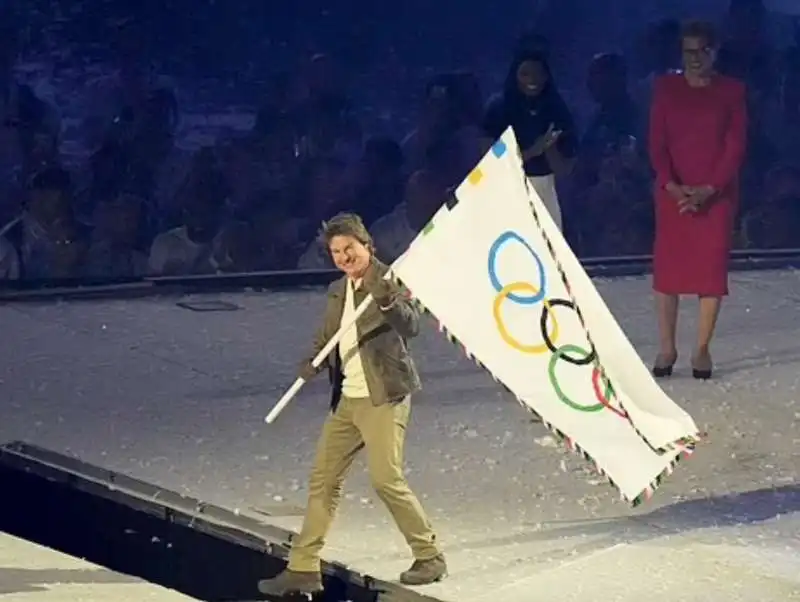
x=746, y=53
x=617, y=208
x=698, y=130
x=326, y=120
x=121, y=98
x=616, y=117
x=774, y=223
x=191, y=247
x=29, y=126
x=264, y=164
x=322, y=194
x=116, y=241
x=379, y=179
x=47, y=237
x=531, y=104
x=273, y=240
x=427, y=190
x=782, y=121
x=9, y=261
x=451, y=113
x=437, y=119
x=236, y=248
x=205, y=176
x=657, y=52
x=152, y=145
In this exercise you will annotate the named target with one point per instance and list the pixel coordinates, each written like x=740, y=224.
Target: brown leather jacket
x=388, y=368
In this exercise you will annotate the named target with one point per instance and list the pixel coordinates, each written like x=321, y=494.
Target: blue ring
x=509, y=236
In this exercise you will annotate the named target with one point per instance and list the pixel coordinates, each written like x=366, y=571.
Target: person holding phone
x=531, y=104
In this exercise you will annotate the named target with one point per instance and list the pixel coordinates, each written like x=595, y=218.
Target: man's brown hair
x=346, y=224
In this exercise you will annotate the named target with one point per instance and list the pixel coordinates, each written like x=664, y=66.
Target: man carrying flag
x=373, y=378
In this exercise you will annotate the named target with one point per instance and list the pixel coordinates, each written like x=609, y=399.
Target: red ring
x=601, y=396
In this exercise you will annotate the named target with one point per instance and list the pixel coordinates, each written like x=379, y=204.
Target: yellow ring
x=511, y=341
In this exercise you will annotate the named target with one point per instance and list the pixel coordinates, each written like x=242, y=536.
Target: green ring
x=551, y=370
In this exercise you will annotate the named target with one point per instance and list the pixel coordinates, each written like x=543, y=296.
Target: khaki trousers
x=381, y=430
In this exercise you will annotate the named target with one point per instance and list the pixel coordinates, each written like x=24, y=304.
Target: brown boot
x=291, y=582
x=425, y=572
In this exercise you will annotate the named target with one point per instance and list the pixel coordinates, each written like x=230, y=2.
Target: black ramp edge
x=127, y=525
x=128, y=490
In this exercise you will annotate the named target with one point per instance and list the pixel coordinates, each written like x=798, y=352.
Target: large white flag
x=494, y=270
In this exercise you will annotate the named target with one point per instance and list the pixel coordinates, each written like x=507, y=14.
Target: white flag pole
x=320, y=357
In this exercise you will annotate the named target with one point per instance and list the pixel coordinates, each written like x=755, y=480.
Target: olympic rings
x=526, y=293
x=508, y=292
x=605, y=396
x=587, y=358
x=496, y=246
x=551, y=369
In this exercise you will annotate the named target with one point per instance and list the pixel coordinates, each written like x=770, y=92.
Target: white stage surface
x=177, y=398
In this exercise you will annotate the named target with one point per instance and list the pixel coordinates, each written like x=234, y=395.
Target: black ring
x=583, y=361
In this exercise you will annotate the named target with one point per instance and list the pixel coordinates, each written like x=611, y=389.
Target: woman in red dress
x=698, y=124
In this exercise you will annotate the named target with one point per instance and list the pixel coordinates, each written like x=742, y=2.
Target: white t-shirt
x=355, y=382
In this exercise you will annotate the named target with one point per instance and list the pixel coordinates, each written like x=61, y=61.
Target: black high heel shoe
x=663, y=369
x=702, y=370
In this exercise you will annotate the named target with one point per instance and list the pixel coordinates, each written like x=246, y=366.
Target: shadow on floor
x=746, y=508
x=592, y=535
x=785, y=357
x=22, y=581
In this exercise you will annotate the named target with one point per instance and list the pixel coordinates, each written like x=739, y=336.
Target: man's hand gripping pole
x=320, y=357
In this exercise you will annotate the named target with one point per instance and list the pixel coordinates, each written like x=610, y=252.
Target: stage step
x=135, y=528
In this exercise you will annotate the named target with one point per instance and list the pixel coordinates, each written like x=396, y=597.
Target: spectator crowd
x=138, y=206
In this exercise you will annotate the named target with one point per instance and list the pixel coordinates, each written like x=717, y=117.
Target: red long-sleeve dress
x=697, y=138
